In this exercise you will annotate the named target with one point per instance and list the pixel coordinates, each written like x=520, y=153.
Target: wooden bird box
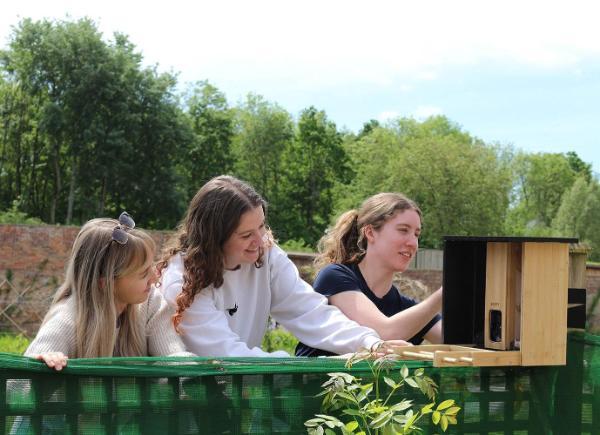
x=505, y=302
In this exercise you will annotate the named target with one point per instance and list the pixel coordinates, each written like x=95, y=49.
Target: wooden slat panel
x=496, y=289
x=544, y=303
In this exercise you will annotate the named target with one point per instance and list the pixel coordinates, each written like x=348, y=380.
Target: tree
x=107, y=131
x=579, y=214
x=460, y=183
x=314, y=161
x=210, y=153
x=541, y=181
x=263, y=131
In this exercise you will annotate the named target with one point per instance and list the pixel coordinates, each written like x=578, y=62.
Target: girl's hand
x=388, y=347
x=54, y=360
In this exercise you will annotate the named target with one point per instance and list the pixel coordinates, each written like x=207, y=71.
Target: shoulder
x=155, y=302
x=174, y=269
x=335, y=278
x=171, y=279
x=274, y=254
x=57, y=333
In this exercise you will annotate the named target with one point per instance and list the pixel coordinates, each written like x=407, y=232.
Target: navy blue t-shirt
x=337, y=278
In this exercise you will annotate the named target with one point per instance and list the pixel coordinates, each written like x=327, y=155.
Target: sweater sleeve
x=205, y=329
x=307, y=315
x=162, y=338
x=57, y=333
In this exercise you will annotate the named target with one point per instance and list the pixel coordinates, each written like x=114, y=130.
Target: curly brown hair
x=211, y=218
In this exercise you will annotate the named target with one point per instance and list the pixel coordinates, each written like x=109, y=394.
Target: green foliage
x=13, y=343
x=314, y=161
x=210, y=152
x=279, y=339
x=461, y=184
x=296, y=245
x=88, y=131
x=541, y=180
x=578, y=214
x=263, y=131
x=376, y=406
x=14, y=216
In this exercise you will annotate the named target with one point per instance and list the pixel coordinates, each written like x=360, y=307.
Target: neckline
x=356, y=269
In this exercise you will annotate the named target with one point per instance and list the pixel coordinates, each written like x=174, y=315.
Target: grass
x=275, y=339
x=13, y=343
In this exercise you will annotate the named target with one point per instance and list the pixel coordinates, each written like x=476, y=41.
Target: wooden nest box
x=505, y=302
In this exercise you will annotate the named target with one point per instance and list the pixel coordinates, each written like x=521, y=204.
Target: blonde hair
x=345, y=243
x=95, y=263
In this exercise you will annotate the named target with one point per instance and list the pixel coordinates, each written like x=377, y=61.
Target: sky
x=518, y=73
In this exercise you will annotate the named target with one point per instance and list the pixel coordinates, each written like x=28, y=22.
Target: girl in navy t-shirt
x=359, y=257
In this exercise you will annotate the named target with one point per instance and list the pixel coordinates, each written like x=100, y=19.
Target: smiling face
x=243, y=246
x=396, y=242
x=133, y=287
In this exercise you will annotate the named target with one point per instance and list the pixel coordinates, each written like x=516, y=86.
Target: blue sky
x=512, y=72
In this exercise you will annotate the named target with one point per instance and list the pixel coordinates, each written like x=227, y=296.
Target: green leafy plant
x=373, y=407
x=14, y=215
x=13, y=343
x=279, y=339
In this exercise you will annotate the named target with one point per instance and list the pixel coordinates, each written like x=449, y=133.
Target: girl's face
x=134, y=287
x=242, y=247
x=396, y=242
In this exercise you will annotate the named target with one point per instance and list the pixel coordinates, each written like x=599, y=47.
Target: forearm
x=407, y=323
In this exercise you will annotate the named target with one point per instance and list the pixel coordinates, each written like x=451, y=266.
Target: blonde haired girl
x=107, y=305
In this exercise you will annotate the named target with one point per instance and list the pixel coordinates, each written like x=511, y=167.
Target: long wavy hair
x=345, y=243
x=95, y=263
x=211, y=218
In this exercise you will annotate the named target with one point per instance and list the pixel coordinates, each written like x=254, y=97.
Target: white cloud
x=387, y=116
x=424, y=112
x=315, y=43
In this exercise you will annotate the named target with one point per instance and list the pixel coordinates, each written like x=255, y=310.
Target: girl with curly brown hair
x=225, y=276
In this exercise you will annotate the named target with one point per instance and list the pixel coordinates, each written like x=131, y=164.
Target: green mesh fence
x=252, y=395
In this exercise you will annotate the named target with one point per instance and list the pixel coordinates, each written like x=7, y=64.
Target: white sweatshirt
x=231, y=320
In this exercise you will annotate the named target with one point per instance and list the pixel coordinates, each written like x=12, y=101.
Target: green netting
x=258, y=395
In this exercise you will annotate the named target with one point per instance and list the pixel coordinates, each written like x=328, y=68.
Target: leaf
x=451, y=419
x=404, y=404
x=410, y=420
x=419, y=372
x=350, y=411
x=381, y=420
x=347, y=396
x=435, y=417
x=329, y=432
x=411, y=382
x=452, y=411
x=445, y=404
x=351, y=425
x=390, y=382
x=427, y=408
x=444, y=423
x=404, y=371
x=313, y=422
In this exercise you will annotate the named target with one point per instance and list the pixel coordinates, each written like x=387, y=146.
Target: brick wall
x=593, y=289
x=33, y=259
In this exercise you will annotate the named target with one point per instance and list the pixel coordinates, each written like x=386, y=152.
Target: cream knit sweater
x=57, y=333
